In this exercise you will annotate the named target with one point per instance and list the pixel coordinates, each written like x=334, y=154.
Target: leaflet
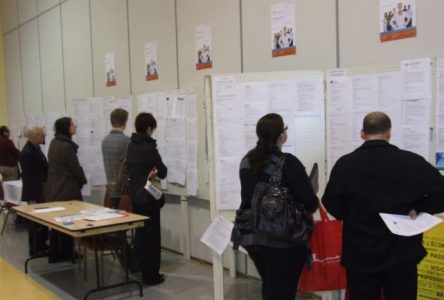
x=406, y=226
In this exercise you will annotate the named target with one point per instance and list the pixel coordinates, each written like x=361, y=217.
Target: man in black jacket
x=34, y=173
x=380, y=178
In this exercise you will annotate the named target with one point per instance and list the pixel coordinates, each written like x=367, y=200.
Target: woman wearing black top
x=278, y=263
x=143, y=161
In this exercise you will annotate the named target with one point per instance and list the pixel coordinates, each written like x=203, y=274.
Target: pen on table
x=41, y=207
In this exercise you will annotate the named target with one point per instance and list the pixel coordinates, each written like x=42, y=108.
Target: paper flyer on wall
x=204, y=59
x=283, y=29
x=397, y=19
x=110, y=70
x=152, y=70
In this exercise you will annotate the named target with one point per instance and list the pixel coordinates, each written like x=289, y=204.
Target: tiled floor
x=185, y=279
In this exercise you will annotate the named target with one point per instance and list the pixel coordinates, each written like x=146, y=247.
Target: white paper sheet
x=406, y=226
x=42, y=209
x=217, y=236
x=416, y=78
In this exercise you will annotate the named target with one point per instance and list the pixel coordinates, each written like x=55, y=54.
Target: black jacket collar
x=66, y=138
x=140, y=138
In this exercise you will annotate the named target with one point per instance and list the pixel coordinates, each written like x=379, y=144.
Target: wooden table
x=83, y=228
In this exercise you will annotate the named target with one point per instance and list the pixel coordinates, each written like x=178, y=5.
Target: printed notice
x=406, y=226
x=217, y=236
x=397, y=19
x=110, y=70
x=203, y=47
x=152, y=71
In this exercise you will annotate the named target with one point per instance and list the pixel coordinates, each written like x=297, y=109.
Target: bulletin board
x=306, y=131
x=308, y=140
x=380, y=87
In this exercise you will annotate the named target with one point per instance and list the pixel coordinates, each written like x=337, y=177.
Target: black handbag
x=275, y=214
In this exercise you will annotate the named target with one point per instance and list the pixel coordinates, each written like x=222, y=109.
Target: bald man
x=34, y=172
x=380, y=178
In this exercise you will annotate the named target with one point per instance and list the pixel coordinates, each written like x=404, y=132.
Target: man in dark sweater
x=113, y=148
x=34, y=173
x=380, y=178
x=9, y=155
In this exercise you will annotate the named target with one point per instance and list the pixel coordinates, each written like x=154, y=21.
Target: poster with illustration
x=204, y=59
x=397, y=19
x=151, y=67
x=283, y=29
x=110, y=70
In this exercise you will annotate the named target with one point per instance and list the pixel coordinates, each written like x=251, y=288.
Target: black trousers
x=37, y=237
x=280, y=269
x=397, y=282
x=61, y=246
x=147, y=241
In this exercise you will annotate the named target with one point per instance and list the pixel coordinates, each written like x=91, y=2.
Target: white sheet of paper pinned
x=406, y=226
x=218, y=234
x=38, y=210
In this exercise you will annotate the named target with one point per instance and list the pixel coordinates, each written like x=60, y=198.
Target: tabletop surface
x=74, y=207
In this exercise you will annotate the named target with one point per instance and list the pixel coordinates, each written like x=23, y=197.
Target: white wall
x=54, y=52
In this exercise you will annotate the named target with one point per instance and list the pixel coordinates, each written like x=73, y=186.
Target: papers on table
x=69, y=218
x=38, y=210
x=101, y=214
x=406, y=226
x=217, y=236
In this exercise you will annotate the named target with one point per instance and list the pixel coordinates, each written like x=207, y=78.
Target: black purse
x=275, y=214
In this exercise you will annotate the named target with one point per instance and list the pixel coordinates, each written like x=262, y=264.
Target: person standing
x=279, y=263
x=34, y=168
x=380, y=178
x=9, y=156
x=143, y=161
x=113, y=148
x=65, y=181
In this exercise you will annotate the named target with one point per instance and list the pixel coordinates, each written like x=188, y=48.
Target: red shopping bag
x=326, y=272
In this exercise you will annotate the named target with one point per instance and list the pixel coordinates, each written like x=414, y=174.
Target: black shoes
x=155, y=281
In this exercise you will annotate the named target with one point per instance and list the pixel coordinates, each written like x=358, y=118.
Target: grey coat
x=65, y=175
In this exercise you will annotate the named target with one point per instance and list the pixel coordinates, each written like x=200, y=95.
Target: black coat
x=142, y=157
x=65, y=175
x=380, y=178
x=34, y=172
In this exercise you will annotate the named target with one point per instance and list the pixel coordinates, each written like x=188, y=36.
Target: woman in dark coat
x=278, y=263
x=143, y=160
x=65, y=181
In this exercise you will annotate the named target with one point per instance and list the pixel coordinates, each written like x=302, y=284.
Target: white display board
x=91, y=115
x=176, y=134
x=234, y=103
x=238, y=102
x=402, y=90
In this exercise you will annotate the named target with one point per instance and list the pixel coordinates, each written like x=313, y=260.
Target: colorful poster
x=397, y=19
x=204, y=59
x=110, y=69
x=152, y=70
x=283, y=29
x=431, y=268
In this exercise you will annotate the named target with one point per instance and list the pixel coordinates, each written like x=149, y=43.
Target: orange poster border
x=208, y=65
x=397, y=35
x=151, y=77
x=283, y=52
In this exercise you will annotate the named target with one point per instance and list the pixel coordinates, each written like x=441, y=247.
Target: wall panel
x=51, y=60
x=152, y=20
x=30, y=55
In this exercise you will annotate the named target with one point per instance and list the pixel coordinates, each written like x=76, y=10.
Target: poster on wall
x=283, y=29
x=151, y=71
x=110, y=70
x=204, y=59
x=397, y=19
